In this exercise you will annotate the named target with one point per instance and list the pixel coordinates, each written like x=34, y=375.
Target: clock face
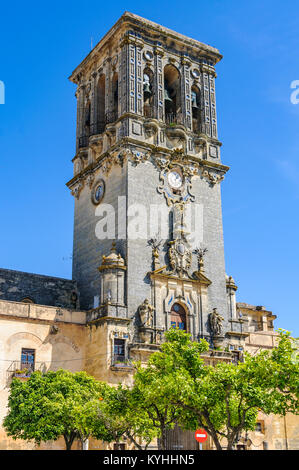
x=175, y=179
x=98, y=192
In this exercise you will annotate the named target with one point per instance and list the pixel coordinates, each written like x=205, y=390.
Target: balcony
x=83, y=141
x=23, y=370
x=175, y=119
x=149, y=111
x=97, y=128
x=121, y=363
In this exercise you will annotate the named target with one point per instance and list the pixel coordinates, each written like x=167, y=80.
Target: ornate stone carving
x=90, y=179
x=77, y=188
x=179, y=257
x=215, y=322
x=155, y=244
x=200, y=252
x=146, y=314
x=212, y=178
x=137, y=156
x=179, y=162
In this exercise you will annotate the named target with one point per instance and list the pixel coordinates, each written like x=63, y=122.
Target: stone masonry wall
x=44, y=290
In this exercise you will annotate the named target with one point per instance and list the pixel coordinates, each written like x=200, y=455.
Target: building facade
x=148, y=248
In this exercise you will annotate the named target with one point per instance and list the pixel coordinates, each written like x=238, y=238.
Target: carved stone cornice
x=130, y=150
x=77, y=188
x=211, y=176
x=164, y=275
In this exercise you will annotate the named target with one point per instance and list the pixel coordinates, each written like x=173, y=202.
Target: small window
x=259, y=427
x=27, y=359
x=236, y=357
x=119, y=351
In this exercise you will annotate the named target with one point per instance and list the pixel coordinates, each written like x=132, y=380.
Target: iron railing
x=25, y=369
x=97, y=128
x=149, y=111
x=83, y=141
x=175, y=118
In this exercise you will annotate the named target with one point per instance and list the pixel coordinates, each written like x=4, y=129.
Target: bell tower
x=147, y=174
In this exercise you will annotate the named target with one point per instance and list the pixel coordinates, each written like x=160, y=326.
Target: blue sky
x=259, y=127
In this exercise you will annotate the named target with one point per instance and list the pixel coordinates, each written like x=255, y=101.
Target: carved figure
x=215, y=320
x=146, y=313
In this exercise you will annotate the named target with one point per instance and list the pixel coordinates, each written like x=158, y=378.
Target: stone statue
x=215, y=321
x=146, y=313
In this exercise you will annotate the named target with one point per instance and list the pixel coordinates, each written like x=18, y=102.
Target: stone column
x=139, y=79
x=108, y=87
x=212, y=77
x=158, y=84
x=123, y=85
x=205, y=96
x=93, y=108
x=186, y=93
x=80, y=112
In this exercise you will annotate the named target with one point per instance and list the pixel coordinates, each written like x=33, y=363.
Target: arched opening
x=27, y=300
x=101, y=105
x=195, y=104
x=87, y=112
x=113, y=115
x=178, y=317
x=148, y=95
x=172, y=94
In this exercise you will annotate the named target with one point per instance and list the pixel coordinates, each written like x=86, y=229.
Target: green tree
x=153, y=384
x=225, y=398
x=56, y=404
x=123, y=416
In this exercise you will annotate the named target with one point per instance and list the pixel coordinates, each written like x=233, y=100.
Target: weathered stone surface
x=44, y=290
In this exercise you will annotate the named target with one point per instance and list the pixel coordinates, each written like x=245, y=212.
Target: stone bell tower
x=147, y=150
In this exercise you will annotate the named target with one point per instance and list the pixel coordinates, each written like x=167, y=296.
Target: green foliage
x=224, y=399
x=123, y=415
x=55, y=404
x=174, y=387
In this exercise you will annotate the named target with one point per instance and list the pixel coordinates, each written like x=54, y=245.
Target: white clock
x=175, y=179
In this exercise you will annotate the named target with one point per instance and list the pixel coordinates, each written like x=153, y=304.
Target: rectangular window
x=260, y=426
x=119, y=351
x=119, y=446
x=27, y=359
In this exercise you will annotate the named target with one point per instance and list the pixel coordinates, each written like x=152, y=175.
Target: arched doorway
x=178, y=317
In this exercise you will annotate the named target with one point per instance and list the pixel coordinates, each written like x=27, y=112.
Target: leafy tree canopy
x=56, y=404
x=225, y=398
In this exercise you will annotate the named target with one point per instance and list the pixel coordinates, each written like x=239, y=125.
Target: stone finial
x=155, y=244
x=113, y=260
x=200, y=252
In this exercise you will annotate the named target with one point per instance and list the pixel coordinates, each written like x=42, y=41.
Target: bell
x=146, y=91
x=194, y=101
x=168, y=101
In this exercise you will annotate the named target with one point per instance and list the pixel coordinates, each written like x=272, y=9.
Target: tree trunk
x=163, y=442
x=85, y=444
x=69, y=439
x=215, y=439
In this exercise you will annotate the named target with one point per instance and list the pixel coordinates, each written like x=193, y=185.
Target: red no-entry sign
x=201, y=435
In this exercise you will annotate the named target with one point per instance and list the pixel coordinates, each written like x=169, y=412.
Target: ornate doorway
x=178, y=317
